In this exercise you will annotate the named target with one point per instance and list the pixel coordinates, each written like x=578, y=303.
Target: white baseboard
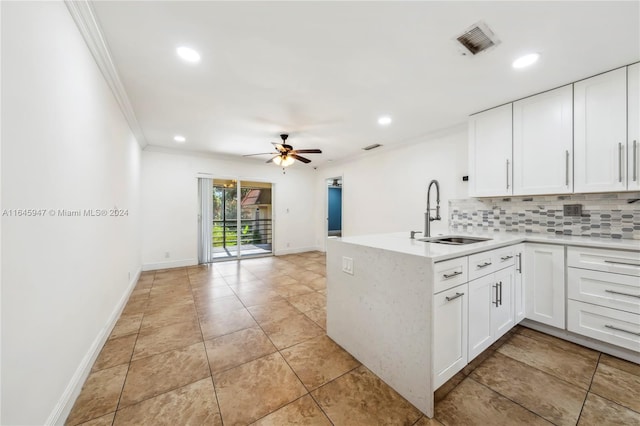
x=168, y=265
x=62, y=409
x=295, y=250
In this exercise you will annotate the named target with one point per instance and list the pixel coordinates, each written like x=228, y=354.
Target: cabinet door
x=482, y=297
x=490, y=156
x=544, y=278
x=633, y=124
x=449, y=333
x=543, y=143
x=518, y=285
x=502, y=317
x=600, y=127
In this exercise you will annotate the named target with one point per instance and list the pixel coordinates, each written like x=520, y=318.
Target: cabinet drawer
x=504, y=257
x=605, y=289
x=481, y=264
x=450, y=273
x=605, y=324
x=618, y=261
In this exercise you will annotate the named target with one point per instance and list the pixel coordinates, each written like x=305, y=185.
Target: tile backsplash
x=603, y=215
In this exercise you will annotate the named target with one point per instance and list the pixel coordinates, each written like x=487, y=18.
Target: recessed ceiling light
x=188, y=54
x=384, y=120
x=526, y=60
x=179, y=139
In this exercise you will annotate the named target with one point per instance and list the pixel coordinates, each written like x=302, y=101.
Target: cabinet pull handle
x=500, y=284
x=449, y=299
x=619, y=162
x=506, y=258
x=635, y=160
x=456, y=273
x=622, y=263
x=624, y=294
x=496, y=301
x=507, y=173
x=566, y=168
x=485, y=264
x=519, y=268
x=622, y=329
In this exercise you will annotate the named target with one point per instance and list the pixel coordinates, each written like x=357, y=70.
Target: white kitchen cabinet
x=490, y=309
x=490, y=153
x=450, y=310
x=545, y=284
x=600, y=132
x=543, y=143
x=519, y=311
x=633, y=125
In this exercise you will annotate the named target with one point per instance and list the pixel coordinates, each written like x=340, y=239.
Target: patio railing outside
x=252, y=231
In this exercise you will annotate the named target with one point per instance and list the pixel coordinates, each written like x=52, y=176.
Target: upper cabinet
x=600, y=132
x=542, y=143
x=633, y=141
x=490, y=137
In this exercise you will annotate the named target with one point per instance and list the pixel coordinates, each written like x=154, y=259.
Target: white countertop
x=401, y=243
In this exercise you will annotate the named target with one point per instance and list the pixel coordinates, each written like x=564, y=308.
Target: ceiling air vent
x=370, y=147
x=477, y=38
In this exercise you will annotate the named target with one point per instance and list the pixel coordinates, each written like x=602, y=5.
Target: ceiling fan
x=285, y=155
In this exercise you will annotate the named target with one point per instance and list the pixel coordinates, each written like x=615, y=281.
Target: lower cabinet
x=519, y=306
x=545, y=283
x=450, y=333
x=491, y=310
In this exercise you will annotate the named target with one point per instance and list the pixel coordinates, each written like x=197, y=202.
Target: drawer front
x=481, y=264
x=450, y=273
x=504, y=257
x=617, y=261
x=605, y=324
x=614, y=291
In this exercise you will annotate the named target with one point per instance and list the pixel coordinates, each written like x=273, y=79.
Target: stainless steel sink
x=456, y=240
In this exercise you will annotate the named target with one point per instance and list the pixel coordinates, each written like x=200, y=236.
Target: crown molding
x=84, y=17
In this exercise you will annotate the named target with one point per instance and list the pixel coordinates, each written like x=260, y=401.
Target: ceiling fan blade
x=262, y=153
x=297, y=157
x=271, y=159
x=280, y=147
x=287, y=147
x=307, y=151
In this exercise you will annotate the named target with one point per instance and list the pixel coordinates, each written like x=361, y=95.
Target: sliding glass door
x=241, y=222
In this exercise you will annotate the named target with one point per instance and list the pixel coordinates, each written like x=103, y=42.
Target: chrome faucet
x=427, y=215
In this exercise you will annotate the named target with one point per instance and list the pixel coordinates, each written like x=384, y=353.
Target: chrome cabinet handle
x=449, y=299
x=485, y=264
x=507, y=173
x=519, y=268
x=506, y=258
x=622, y=263
x=622, y=329
x=635, y=160
x=456, y=273
x=500, y=285
x=566, y=168
x=619, y=162
x=496, y=287
x=623, y=294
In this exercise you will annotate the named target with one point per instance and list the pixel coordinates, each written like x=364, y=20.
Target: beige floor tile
x=308, y=276
x=273, y=311
x=308, y=302
x=319, y=316
x=474, y=404
x=316, y=267
x=291, y=330
x=193, y=404
x=255, y=389
x=318, y=361
x=157, y=374
x=448, y=386
x=361, y=398
x=216, y=306
x=167, y=300
x=477, y=361
x=598, y=411
x=99, y=395
x=426, y=421
x=620, y=364
x=233, y=349
x=106, y=420
x=293, y=290
x=152, y=341
x=617, y=386
x=140, y=293
x=303, y=411
x=544, y=394
x=258, y=297
x=126, y=325
x=168, y=315
x=573, y=364
x=219, y=324
x=319, y=283
x=212, y=293
x=115, y=352
x=135, y=306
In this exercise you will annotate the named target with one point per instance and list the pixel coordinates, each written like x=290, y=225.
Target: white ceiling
x=325, y=71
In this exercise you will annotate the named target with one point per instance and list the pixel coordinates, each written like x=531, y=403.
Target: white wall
x=386, y=191
x=170, y=203
x=65, y=145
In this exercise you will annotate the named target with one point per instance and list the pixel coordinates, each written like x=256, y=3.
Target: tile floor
x=244, y=343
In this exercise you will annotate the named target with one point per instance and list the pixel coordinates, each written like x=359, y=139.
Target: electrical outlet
x=347, y=265
x=572, y=209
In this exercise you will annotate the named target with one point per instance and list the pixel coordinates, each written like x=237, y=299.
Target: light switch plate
x=347, y=265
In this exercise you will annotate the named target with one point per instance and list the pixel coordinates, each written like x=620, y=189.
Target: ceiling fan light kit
x=285, y=155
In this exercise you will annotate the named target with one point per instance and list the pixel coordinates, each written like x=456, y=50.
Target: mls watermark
x=115, y=212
